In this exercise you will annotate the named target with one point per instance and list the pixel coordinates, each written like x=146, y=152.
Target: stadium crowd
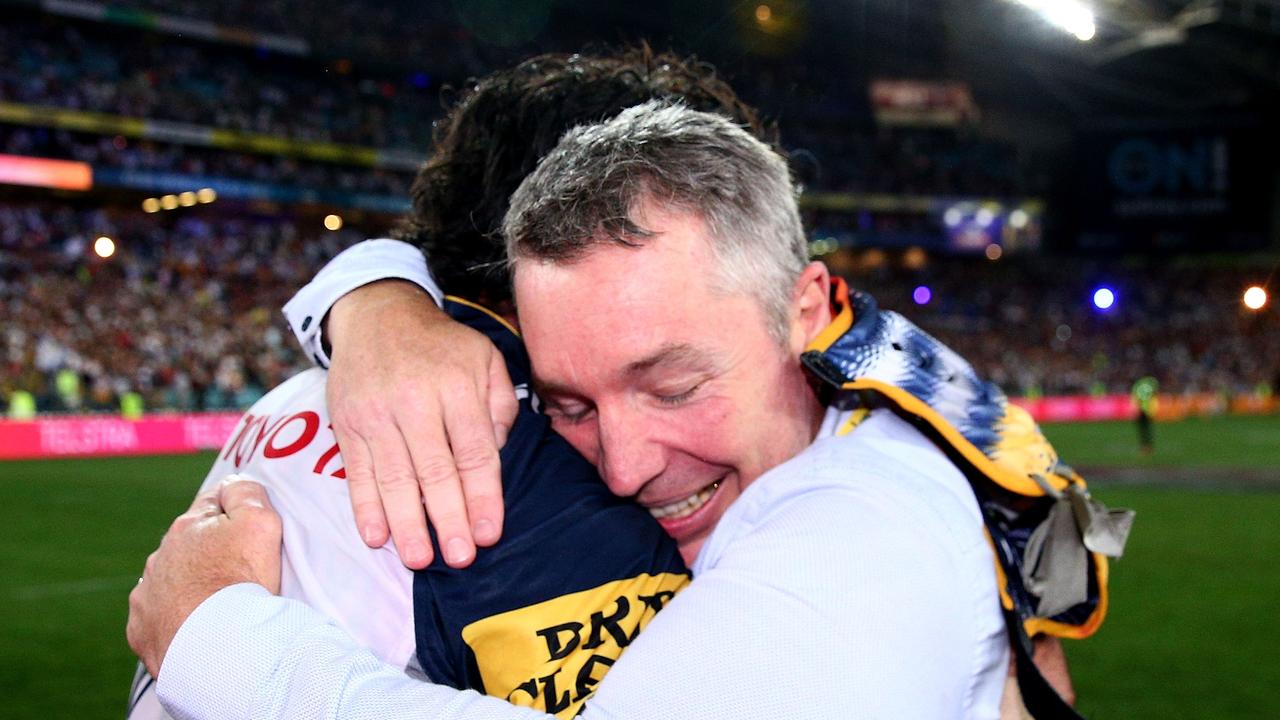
x=374, y=32
x=103, y=68
x=185, y=314
x=88, y=67
x=1030, y=324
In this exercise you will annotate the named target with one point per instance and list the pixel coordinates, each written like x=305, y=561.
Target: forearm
x=277, y=658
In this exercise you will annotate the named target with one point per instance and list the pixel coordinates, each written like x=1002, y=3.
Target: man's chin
x=689, y=550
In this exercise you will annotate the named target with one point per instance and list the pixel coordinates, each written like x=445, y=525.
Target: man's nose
x=630, y=456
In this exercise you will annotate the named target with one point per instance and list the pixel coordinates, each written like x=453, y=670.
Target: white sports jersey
x=285, y=442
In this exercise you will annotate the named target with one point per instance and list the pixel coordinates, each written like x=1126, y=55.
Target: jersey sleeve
x=358, y=265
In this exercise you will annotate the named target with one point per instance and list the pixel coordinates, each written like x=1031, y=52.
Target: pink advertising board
x=89, y=436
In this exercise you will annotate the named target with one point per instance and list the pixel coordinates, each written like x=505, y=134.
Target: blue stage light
x=1104, y=298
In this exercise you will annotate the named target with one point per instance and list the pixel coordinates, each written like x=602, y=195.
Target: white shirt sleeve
x=358, y=265
x=245, y=653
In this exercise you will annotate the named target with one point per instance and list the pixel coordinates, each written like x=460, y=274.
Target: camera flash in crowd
x=104, y=247
x=1255, y=298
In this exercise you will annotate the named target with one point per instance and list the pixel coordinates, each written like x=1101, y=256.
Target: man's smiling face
x=675, y=390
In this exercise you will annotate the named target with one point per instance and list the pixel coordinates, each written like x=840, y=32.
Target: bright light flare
x=953, y=216
x=1104, y=298
x=333, y=222
x=993, y=252
x=922, y=295
x=1019, y=219
x=1071, y=16
x=104, y=247
x=1255, y=298
x=764, y=14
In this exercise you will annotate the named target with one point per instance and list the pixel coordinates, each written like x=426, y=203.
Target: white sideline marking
x=74, y=587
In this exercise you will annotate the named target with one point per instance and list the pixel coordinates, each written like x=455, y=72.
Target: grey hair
x=587, y=190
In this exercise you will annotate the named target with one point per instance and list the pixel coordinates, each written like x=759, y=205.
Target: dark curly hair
x=502, y=124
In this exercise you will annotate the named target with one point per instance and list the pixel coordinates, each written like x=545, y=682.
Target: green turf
x=1224, y=442
x=1191, y=631
x=76, y=533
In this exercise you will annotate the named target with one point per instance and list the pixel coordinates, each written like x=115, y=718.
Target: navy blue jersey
x=539, y=618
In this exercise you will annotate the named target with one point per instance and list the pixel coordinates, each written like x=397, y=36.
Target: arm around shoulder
x=245, y=653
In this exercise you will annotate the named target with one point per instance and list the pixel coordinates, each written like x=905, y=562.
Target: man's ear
x=810, y=306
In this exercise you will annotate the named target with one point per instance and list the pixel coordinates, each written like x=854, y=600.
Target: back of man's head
x=591, y=189
x=504, y=123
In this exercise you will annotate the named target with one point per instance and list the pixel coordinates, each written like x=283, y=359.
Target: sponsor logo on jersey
x=577, y=638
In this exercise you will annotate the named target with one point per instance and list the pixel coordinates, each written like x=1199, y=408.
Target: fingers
x=366, y=502
x=420, y=406
x=135, y=633
x=474, y=443
x=238, y=493
x=401, y=497
x=503, y=405
x=438, y=475
x=206, y=504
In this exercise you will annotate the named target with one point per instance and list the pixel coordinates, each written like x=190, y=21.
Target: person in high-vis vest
x=1144, y=401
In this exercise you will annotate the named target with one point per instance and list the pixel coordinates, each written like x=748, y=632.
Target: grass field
x=1192, y=631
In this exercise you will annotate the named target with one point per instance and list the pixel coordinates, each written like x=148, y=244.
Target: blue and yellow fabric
x=1051, y=539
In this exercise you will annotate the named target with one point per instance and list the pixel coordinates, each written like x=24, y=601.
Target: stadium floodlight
x=1072, y=16
x=1104, y=298
x=104, y=247
x=922, y=295
x=1019, y=219
x=953, y=216
x=1255, y=298
x=984, y=217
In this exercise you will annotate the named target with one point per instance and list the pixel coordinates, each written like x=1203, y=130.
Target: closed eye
x=569, y=412
x=680, y=397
